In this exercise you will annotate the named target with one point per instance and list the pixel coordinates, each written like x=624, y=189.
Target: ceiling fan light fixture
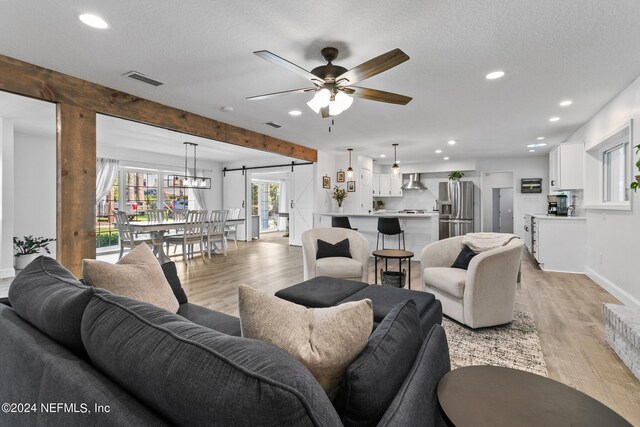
x=320, y=100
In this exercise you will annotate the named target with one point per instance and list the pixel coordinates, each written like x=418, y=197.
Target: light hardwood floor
x=567, y=309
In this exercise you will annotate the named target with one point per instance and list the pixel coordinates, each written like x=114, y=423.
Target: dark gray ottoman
x=328, y=292
x=385, y=298
x=321, y=291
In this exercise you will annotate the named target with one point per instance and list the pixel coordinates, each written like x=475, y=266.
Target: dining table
x=157, y=230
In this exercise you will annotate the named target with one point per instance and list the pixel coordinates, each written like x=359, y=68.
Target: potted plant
x=339, y=194
x=27, y=249
x=455, y=176
x=636, y=185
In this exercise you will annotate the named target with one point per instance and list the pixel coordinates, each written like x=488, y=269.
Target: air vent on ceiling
x=273, y=125
x=142, y=78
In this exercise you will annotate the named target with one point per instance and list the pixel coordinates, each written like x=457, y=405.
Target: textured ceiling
x=584, y=50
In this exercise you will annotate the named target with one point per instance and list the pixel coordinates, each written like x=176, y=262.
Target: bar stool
x=389, y=226
x=341, y=222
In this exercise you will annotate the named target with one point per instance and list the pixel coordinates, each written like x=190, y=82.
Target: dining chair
x=156, y=215
x=215, y=231
x=126, y=234
x=193, y=234
x=231, y=230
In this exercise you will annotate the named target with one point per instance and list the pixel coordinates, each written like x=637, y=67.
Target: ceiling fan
x=333, y=84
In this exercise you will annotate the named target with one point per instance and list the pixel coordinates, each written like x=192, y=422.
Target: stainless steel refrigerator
x=456, y=208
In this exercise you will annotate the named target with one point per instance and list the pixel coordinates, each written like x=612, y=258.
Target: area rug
x=515, y=345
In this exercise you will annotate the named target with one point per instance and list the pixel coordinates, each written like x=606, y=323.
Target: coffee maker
x=562, y=205
x=552, y=208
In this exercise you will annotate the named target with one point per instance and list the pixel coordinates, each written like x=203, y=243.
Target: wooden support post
x=76, y=184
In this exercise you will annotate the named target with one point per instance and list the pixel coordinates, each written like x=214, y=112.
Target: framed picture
x=351, y=186
x=326, y=181
x=340, y=176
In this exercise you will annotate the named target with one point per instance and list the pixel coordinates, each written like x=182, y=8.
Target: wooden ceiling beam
x=26, y=79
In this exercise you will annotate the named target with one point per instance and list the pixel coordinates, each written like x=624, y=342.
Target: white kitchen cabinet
x=387, y=185
x=375, y=185
x=396, y=185
x=566, y=167
x=559, y=243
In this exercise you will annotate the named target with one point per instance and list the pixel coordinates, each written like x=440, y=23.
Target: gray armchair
x=354, y=268
x=484, y=294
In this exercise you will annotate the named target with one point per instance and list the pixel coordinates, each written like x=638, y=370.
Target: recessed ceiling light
x=540, y=138
x=554, y=119
x=566, y=103
x=495, y=75
x=226, y=109
x=383, y=155
x=93, y=21
x=295, y=112
x=540, y=144
x=451, y=142
x=438, y=151
x=532, y=151
x=446, y=158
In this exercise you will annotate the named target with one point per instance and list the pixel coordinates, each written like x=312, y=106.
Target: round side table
x=494, y=396
x=387, y=254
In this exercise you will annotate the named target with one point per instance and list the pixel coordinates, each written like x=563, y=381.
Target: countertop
x=379, y=214
x=554, y=217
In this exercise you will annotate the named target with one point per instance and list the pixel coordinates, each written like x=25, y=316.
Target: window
x=608, y=171
x=106, y=230
x=615, y=173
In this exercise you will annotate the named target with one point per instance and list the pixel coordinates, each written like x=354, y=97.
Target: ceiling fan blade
x=373, y=67
x=275, y=59
x=378, y=95
x=325, y=112
x=284, y=92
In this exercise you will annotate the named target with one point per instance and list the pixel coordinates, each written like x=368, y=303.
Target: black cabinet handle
x=553, y=182
x=292, y=204
x=243, y=204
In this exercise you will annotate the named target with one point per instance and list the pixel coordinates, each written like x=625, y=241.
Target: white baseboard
x=621, y=294
x=7, y=272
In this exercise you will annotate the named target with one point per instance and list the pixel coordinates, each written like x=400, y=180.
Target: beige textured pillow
x=136, y=275
x=325, y=340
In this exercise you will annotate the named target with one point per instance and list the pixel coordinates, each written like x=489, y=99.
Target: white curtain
x=283, y=206
x=198, y=195
x=106, y=174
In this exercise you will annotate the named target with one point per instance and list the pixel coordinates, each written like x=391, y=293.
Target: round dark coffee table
x=494, y=396
x=387, y=254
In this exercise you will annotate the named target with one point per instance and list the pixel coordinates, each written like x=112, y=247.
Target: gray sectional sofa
x=73, y=355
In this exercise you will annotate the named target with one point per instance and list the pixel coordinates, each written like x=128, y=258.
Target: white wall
x=6, y=197
x=522, y=167
x=35, y=187
x=326, y=166
x=612, y=236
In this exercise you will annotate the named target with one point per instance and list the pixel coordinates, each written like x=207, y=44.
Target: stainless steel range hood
x=414, y=183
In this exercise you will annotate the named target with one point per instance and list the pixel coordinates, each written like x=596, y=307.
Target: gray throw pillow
x=194, y=376
x=365, y=394
x=49, y=297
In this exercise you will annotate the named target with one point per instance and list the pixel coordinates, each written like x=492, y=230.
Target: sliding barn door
x=234, y=196
x=301, y=207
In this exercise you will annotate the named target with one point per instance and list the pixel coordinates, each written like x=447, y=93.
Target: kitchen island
x=420, y=229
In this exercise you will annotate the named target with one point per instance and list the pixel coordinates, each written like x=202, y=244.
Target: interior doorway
x=502, y=210
x=497, y=205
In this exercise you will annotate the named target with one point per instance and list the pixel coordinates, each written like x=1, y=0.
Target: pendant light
x=395, y=169
x=187, y=180
x=349, y=169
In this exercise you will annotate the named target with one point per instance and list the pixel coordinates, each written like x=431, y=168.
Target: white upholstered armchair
x=484, y=294
x=354, y=268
